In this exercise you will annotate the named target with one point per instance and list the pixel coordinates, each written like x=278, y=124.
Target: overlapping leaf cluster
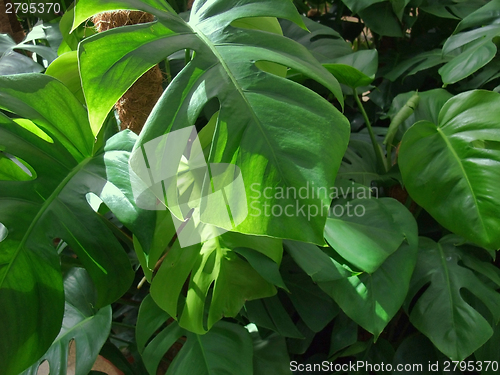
x=400, y=270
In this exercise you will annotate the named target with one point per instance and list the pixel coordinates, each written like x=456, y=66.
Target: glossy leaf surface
x=87, y=327
x=57, y=144
x=371, y=299
x=442, y=312
x=368, y=231
x=212, y=264
x=451, y=168
x=263, y=120
x=476, y=47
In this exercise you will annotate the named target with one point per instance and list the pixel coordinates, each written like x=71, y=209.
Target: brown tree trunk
x=9, y=23
x=136, y=104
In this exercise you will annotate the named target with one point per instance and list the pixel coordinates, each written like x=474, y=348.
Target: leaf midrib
x=469, y=185
x=202, y=350
x=216, y=53
x=42, y=210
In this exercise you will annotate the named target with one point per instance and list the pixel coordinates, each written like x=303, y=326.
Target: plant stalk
x=378, y=151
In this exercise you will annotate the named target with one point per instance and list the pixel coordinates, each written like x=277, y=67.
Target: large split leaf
x=54, y=139
x=7, y=44
x=451, y=279
x=371, y=299
x=220, y=281
x=88, y=327
x=226, y=349
x=12, y=62
x=270, y=127
x=451, y=169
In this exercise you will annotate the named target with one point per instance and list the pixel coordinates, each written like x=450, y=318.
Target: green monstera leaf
x=451, y=168
x=475, y=47
x=88, y=327
x=417, y=63
x=451, y=8
x=322, y=41
x=220, y=281
x=356, y=69
x=263, y=119
x=205, y=354
x=381, y=16
x=65, y=69
x=371, y=298
x=52, y=147
x=359, y=165
x=368, y=231
x=447, y=282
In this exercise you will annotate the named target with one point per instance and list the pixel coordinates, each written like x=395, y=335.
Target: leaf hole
x=262, y=24
x=15, y=169
x=208, y=303
x=3, y=232
x=272, y=68
x=347, y=161
x=322, y=36
x=33, y=128
x=210, y=263
x=71, y=355
x=206, y=125
x=478, y=305
x=43, y=368
x=94, y=201
x=485, y=144
x=206, y=116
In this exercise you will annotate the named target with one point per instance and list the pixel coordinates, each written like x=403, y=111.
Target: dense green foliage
x=387, y=115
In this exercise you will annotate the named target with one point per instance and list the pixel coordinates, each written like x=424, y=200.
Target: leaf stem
x=378, y=151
